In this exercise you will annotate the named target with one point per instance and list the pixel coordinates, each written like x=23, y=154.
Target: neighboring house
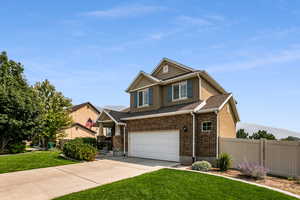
x=176, y=113
x=84, y=117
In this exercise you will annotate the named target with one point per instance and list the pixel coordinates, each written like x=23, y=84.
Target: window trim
x=179, y=95
x=138, y=98
x=206, y=131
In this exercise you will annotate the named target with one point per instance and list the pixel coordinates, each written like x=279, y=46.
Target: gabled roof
x=85, y=128
x=189, y=72
x=77, y=107
x=217, y=102
x=179, y=65
x=214, y=103
x=113, y=115
x=142, y=73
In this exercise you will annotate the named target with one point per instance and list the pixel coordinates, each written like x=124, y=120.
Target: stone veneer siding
x=205, y=142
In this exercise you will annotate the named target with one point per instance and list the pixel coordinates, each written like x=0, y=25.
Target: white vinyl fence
x=282, y=158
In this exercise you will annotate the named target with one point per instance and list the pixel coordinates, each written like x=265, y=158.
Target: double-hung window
x=179, y=90
x=143, y=98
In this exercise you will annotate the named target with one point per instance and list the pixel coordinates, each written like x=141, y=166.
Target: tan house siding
x=77, y=131
x=156, y=101
x=142, y=81
x=227, y=122
x=207, y=90
x=173, y=71
x=82, y=115
x=188, y=100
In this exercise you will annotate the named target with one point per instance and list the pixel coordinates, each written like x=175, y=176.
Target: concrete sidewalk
x=47, y=183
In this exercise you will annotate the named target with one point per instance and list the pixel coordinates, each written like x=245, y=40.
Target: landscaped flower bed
x=292, y=186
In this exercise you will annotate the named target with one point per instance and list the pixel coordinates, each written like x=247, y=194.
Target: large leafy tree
x=262, y=134
x=19, y=110
x=241, y=133
x=54, y=112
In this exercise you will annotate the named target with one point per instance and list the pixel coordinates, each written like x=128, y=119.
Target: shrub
x=201, y=166
x=78, y=150
x=90, y=141
x=253, y=170
x=224, y=162
x=17, y=148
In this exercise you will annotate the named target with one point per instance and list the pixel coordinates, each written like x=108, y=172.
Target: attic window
x=165, y=69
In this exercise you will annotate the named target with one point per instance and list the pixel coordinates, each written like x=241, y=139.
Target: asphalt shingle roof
x=211, y=103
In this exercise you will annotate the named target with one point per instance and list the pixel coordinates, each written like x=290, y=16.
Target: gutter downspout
x=124, y=135
x=217, y=142
x=200, y=86
x=193, y=154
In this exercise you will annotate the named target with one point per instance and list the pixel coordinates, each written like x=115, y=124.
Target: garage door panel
x=162, y=145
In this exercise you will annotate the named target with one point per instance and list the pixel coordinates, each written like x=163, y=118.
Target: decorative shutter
x=150, y=96
x=135, y=99
x=189, y=88
x=169, y=93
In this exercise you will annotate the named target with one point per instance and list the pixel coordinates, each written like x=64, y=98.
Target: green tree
x=242, y=134
x=291, y=138
x=54, y=112
x=262, y=134
x=19, y=111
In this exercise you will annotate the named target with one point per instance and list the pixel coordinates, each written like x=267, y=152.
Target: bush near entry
x=78, y=150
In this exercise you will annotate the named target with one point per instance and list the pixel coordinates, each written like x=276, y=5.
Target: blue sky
x=91, y=50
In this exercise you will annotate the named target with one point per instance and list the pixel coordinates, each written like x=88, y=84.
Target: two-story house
x=176, y=113
x=84, y=117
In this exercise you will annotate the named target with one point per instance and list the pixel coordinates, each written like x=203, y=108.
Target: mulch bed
x=292, y=186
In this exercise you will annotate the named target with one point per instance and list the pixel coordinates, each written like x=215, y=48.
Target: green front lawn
x=32, y=160
x=175, y=184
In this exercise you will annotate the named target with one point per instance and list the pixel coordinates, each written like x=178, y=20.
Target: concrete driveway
x=47, y=183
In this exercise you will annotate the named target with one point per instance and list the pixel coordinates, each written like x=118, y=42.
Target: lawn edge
x=40, y=167
x=240, y=180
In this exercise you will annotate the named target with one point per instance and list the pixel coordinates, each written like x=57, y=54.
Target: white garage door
x=161, y=145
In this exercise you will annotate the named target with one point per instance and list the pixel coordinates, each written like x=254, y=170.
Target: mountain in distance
x=112, y=107
x=279, y=133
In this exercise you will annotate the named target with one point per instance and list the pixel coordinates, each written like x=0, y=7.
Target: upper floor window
x=179, y=90
x=207, y=126
x=165, y=69
x=143, y=98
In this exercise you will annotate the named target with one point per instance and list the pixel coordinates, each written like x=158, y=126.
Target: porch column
x=124, y=136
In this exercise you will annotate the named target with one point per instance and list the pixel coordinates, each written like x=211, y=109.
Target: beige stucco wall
x=207, y=90
x=227, y=122
x=173, y=71
x=83, y=114
x=77, y=131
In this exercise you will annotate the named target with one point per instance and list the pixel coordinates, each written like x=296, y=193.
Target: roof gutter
x=158, y=115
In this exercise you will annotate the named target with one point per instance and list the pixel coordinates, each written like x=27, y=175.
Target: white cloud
x=125, y=11
x=283, y=56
